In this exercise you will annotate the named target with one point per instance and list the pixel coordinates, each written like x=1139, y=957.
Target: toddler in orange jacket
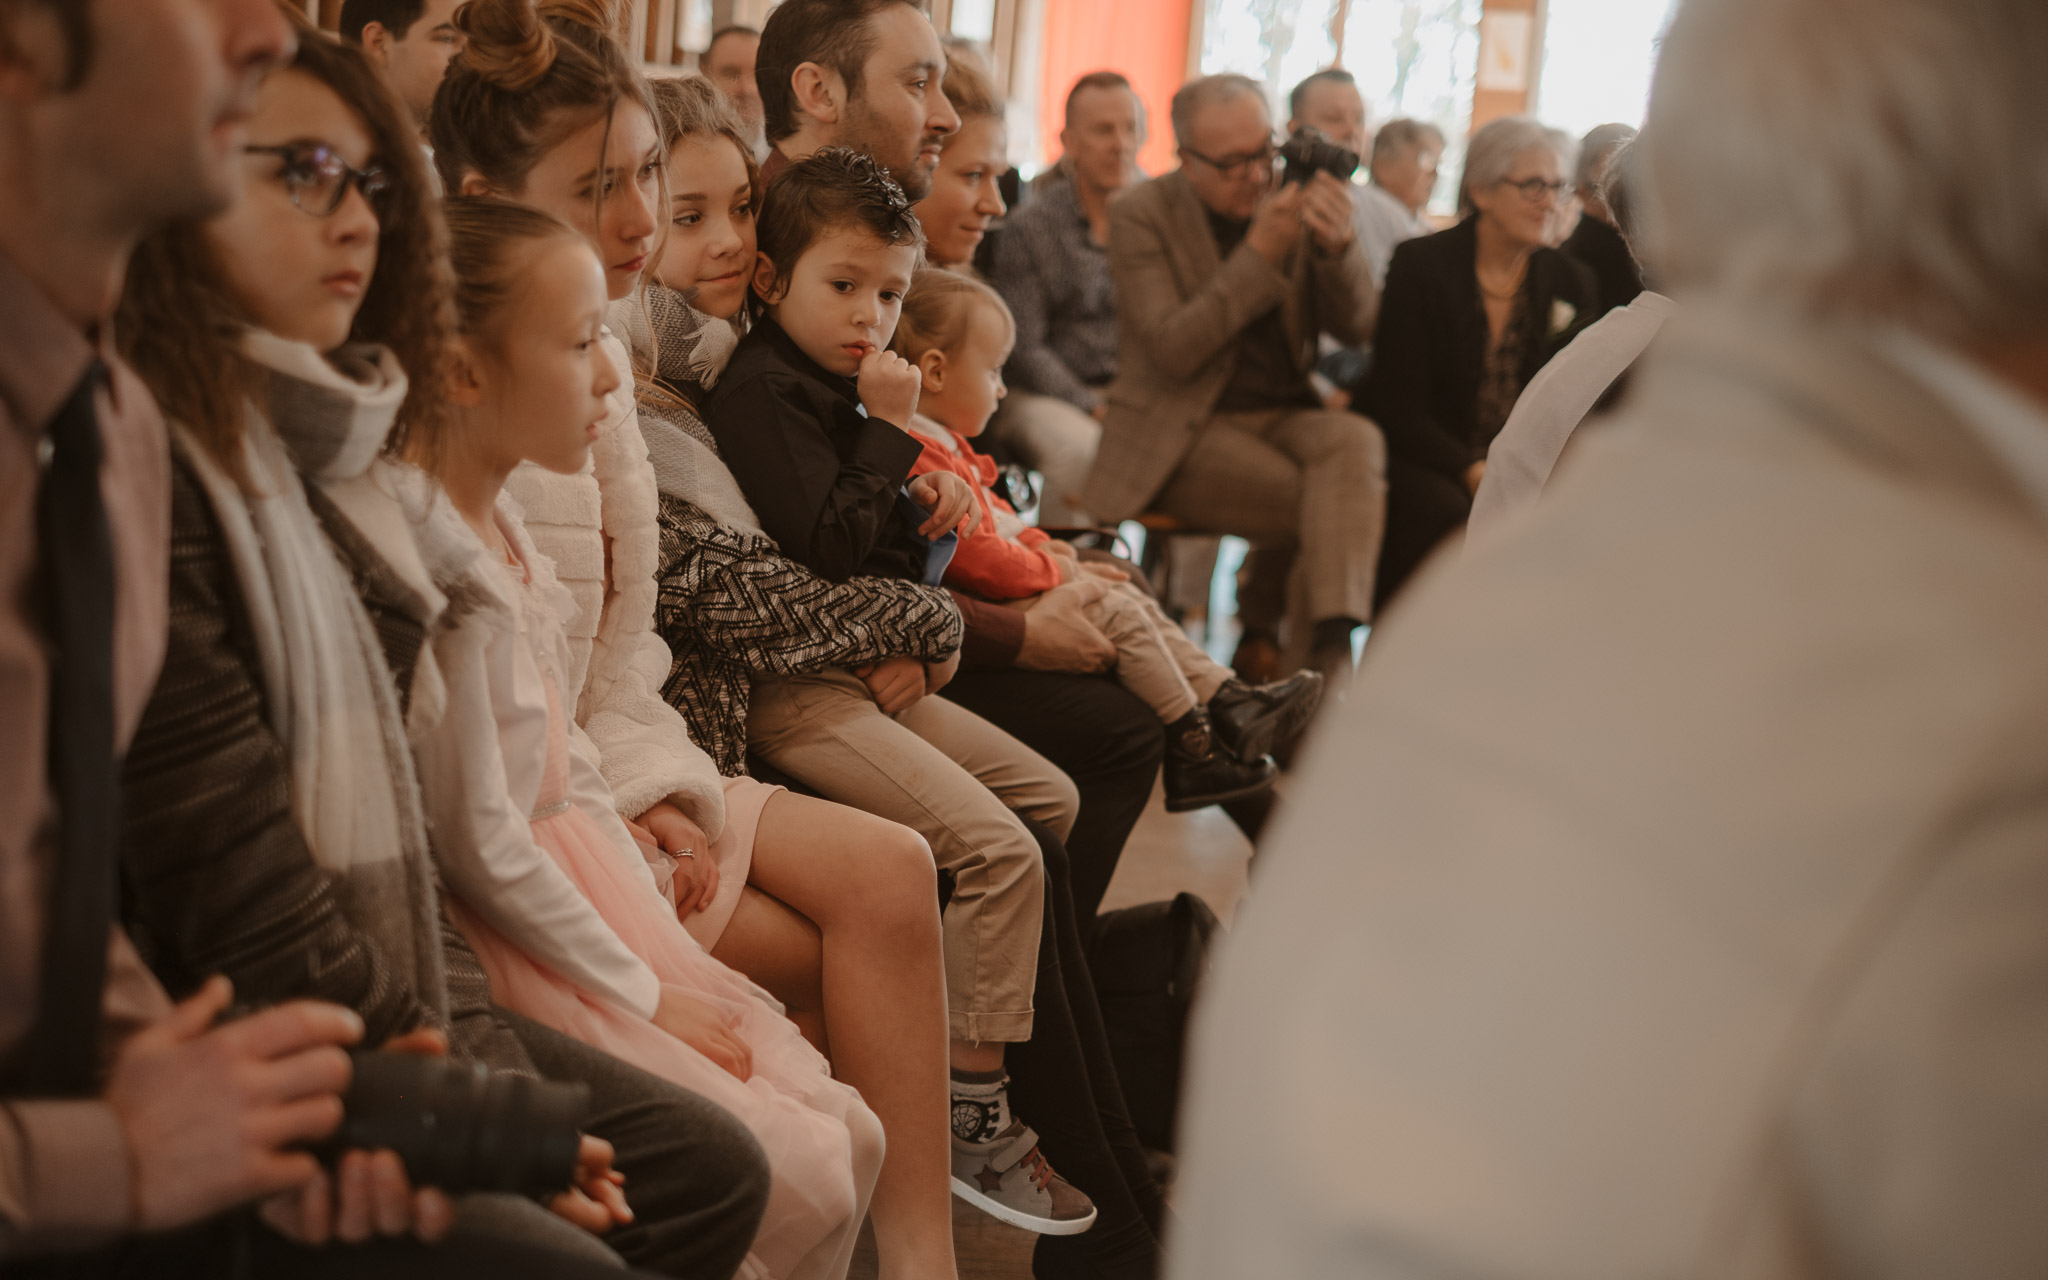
x=958, y=333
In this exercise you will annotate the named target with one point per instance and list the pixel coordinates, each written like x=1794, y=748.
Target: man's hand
x=597, y=1202
x=1058, y=635
x=888, y=386
x=694, y=871
x=1327, y=211
x=368, y=1194
x=1276, y=227
x=703, y=1028
x=1103, y=572
x=897, y=683
x=937, y=675
x=950, y=500
x=213, y=1114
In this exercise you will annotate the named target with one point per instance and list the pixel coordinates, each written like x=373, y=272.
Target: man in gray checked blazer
x=1223, y=284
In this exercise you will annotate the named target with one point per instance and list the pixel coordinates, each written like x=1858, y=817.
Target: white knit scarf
x=330, y=696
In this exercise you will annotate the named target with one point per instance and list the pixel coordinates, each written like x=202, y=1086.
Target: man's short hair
x=836, y=34
x=1096, y=80
x=1892, y=169
x=395, y=16
x=1403, y=136
x=732, y=29
x=1208, y=91
x=1298, y=96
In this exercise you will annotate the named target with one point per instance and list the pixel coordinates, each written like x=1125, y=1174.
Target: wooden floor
x=1168, y=853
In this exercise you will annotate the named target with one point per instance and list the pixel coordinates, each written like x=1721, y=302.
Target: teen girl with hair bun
x=832, y=910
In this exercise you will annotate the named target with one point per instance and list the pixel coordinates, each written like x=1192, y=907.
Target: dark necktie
x=60, y=1056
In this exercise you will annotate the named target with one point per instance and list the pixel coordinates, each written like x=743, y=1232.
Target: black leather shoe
x=1200, y=771
x=1253, y=721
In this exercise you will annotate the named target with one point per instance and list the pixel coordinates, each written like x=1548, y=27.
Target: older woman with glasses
x=1467, y=318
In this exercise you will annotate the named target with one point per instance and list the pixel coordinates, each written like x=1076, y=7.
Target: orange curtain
x=1147, y=40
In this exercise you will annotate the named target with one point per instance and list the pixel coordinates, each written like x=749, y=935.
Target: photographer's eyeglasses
x=317, y=179
x=1234, y=167
x=1534, y=189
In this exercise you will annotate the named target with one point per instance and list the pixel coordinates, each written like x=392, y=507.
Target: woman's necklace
x=1514, y=286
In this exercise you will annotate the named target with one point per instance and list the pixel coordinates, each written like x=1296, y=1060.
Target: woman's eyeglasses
x=317, y=179
x=1534, y=189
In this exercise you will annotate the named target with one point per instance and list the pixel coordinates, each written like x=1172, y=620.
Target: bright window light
x=1598, y=56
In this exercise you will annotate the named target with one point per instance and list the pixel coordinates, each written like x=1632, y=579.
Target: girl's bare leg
x=870, y=888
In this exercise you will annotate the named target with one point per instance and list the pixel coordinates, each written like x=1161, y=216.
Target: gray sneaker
x=1006, y=1178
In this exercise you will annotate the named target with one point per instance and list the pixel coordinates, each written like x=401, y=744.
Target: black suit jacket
x=1430, y=349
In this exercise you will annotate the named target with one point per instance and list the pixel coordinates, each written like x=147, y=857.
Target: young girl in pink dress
x=544, y=877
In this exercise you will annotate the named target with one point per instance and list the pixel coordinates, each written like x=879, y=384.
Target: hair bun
x=860, y=170
x=508, y=44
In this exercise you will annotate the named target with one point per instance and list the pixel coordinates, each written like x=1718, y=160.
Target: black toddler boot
x=1200, y=771
x=1253, y=720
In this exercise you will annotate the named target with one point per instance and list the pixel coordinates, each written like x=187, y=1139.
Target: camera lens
x=1308, y=153
x=461, y=1128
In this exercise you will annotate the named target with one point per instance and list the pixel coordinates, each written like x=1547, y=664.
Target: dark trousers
x=695, y=1177
x=1063, y=1084
x=1099, y=735
x=236, y=1246
x=1424, y=508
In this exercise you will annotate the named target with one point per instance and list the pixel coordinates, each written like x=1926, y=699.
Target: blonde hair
x=937, y=309
x=693, y=107
x=968, y=84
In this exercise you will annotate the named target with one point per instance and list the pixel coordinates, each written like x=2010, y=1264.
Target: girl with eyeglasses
x=1467, y=317
x=274, y=829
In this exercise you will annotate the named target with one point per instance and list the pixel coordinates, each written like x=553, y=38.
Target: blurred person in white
x=728, y=62
x=1585, y=379
x=1052, y=268
x=1668, y=898
x=1405, y=154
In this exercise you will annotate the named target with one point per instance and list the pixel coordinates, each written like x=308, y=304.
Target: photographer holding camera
x=1226, y=274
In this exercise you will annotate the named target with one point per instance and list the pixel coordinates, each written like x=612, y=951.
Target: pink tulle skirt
x=824, y=1146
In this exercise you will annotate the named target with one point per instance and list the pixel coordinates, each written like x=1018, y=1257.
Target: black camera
x=1308, y=153
x=461, y=1127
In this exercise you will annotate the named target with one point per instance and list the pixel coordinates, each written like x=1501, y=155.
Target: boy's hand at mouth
x=888, y=386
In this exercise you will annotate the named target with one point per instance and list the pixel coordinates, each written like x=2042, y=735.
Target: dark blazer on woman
x=1430, y=349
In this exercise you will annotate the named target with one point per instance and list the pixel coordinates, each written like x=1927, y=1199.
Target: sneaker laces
x=1037, y=1169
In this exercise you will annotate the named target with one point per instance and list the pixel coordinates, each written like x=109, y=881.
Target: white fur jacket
x=605, y=517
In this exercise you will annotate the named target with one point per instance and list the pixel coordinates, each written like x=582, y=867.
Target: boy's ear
x=465, y=382
x=766, y=284
x=932, y=367
x=473, y=184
